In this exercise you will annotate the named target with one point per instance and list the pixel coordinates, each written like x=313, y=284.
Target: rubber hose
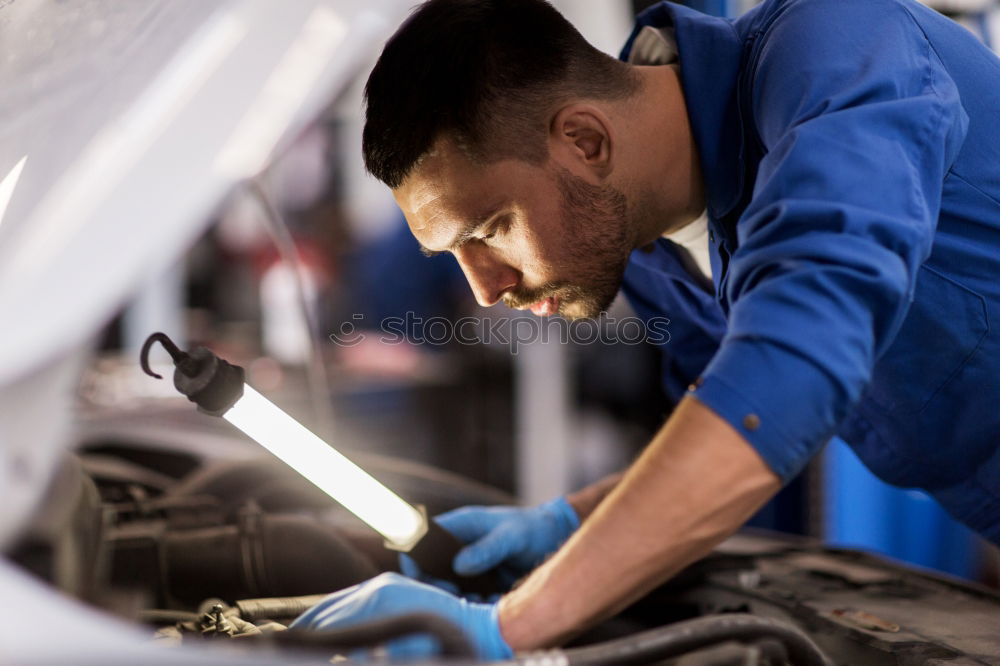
x=681, y=637
x=276, y=607
x=163, y=616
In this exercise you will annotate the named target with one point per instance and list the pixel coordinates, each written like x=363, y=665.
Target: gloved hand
x=389, y=595
x=516, y=537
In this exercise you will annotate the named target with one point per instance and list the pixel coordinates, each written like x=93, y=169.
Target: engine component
x=215, y=620
x=262, y=555
x=861, y=609
x=214, y=623
x=275, y=608
x=64, y=541
x=684, y=637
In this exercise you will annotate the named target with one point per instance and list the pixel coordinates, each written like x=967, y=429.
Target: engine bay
x=179, y=523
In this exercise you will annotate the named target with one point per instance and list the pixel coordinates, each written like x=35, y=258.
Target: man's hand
x=517, y=539
x=695, y=484
x=390, y=595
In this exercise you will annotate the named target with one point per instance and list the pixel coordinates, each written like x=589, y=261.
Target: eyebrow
x=466, y=234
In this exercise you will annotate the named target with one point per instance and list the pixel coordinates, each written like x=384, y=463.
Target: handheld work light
x=218, y=388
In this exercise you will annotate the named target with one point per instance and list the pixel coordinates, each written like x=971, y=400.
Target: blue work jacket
x=850, y=151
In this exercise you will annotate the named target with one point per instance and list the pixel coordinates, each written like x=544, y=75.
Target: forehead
x=444, y=178
x=447, y=190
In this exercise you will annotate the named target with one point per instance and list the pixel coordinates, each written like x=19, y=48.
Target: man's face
x=535, y=237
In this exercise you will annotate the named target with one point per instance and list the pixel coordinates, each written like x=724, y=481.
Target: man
x=847, y=154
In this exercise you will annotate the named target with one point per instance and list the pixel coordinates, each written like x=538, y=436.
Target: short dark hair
x=484, y=73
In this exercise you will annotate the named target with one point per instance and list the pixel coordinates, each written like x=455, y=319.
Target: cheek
x=537, y=255
x=542, y=240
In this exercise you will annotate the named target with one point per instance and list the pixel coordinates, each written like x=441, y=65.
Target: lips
x=545, y=308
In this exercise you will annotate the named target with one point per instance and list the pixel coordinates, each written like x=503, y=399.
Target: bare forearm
x=586, y=500
x=696, y=483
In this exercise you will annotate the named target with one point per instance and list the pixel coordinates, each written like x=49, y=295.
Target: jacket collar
x=710, y=55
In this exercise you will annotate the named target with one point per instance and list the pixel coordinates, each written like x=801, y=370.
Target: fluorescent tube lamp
x=218, y=388
x=401, y=524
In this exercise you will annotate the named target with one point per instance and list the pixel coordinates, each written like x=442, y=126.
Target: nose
x=488, y=277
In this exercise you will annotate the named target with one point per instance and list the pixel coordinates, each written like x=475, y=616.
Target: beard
x=594, y=254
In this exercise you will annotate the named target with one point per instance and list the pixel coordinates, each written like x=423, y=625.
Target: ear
x=581, y=138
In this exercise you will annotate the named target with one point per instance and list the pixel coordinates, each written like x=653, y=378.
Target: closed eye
x=499, y=227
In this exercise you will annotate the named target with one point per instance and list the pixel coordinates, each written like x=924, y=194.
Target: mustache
x=522, y=298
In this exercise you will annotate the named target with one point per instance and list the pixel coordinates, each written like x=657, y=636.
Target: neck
x=666, y=186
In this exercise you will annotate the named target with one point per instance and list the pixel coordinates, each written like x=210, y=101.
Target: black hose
x=162, y=616
x=369, y=634
x=731, y=653
x=681, y=637
x=272, y=608
x=773, y=650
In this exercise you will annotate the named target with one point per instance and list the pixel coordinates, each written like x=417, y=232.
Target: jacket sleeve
x=860, y=123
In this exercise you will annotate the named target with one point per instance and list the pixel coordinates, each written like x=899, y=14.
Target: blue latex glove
x=517, y=539
x=391, y=594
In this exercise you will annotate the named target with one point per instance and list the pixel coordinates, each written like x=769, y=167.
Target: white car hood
x=131, y=123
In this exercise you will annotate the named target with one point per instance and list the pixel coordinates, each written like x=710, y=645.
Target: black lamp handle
x=436, y=551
